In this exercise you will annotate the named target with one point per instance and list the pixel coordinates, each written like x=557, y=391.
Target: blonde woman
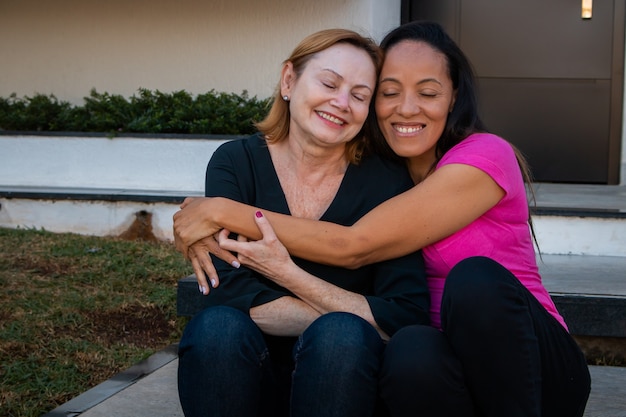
x=308, y=340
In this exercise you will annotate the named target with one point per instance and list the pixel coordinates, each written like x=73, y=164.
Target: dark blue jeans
x=500, y=354
x=228, y=367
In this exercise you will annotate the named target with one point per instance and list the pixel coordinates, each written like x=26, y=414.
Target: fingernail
x=235, y=264
x=258, y=214
x=201, y=289
x=213, y=283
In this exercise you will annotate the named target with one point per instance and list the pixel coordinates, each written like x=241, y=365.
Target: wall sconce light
x=587, y=9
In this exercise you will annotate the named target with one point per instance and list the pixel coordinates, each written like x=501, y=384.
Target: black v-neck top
x=396, y=290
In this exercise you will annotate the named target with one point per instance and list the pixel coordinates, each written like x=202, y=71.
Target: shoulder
x=250, y=148
x=236, y=145
x=481, y=143
x=489, y=153
x=480, y=150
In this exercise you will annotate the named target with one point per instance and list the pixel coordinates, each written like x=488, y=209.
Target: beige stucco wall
x=68, y=47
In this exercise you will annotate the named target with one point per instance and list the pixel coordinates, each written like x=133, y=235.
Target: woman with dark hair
x=463, y=120
x=497, y=345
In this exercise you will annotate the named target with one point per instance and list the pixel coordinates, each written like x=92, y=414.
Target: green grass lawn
x=75, y=310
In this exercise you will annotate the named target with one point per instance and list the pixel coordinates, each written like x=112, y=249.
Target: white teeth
x=330, y=118
x=405, y=129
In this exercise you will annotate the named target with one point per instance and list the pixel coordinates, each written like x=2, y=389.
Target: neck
x=309, y=161
x=420, y=168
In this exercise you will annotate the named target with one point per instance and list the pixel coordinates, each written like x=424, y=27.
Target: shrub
x=147, y=112
x=39, y=113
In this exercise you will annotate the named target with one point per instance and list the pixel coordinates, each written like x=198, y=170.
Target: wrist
x=212, y=212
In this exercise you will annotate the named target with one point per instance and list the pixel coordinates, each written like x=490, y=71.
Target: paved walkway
x=156, y=395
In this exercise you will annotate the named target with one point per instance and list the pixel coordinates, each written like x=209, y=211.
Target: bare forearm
x=331, y=299
x=325, y=297
x=450, y=199
x=286, y=316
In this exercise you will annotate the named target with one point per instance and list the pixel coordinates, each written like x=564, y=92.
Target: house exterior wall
x=68, y=47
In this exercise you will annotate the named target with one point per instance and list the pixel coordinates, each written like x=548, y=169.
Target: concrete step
x=580, y=219
x=589, y=291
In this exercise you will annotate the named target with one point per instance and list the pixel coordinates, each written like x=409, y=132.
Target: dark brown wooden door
x=549, y=81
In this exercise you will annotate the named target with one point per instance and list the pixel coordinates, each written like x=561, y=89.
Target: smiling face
x=415, y=95
x=329, y=100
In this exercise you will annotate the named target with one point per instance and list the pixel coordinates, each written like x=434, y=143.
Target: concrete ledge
x=189, y=301
x=600, y=316
x=94, y=194
x=97, y=161
x=589, y=291
x=606, y=213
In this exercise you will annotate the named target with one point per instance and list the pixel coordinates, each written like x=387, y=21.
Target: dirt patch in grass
x=132, y=325
x=40, y=266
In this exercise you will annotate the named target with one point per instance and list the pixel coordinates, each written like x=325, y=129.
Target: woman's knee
x=344, y=351
x=481, y=297
x=421, y=375
x=340, y=336
x=415, y=353
x=345, y=328
x=478, y=281
x=218, y=330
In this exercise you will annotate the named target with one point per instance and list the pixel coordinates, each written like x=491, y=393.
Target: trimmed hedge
x=148, y=112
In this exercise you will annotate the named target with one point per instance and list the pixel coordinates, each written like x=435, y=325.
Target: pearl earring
x=286, y=97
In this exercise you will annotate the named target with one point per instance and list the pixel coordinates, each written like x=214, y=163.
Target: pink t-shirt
x=502, y=233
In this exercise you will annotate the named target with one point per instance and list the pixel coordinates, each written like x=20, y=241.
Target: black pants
x=500, y=354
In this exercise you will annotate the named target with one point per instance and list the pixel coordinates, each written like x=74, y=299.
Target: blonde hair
x=275, y=126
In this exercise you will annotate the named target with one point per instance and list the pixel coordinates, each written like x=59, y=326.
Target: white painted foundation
x=96, y=218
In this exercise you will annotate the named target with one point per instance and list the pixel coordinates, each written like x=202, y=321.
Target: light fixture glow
x=587, y=7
